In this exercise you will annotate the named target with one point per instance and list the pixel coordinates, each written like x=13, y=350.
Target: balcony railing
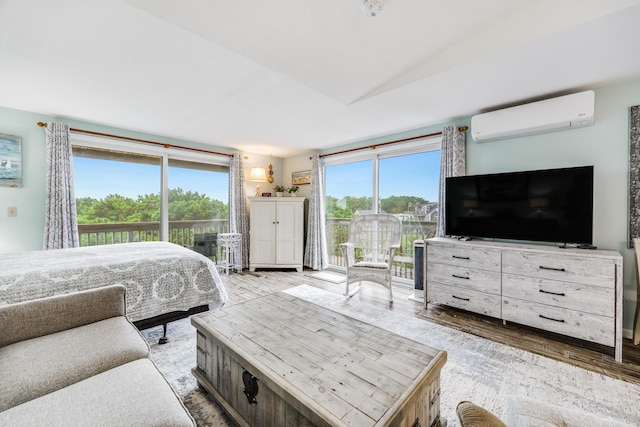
x=338, y=232
x=180, y=232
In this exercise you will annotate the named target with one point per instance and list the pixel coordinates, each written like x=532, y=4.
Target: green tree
x=347, y=206
x=335, y=209
x=192, y=205
x=148, y=208
x=83, y=207
x=359, y=203
x=183, y=205
x=113, y=208
x=400, y=204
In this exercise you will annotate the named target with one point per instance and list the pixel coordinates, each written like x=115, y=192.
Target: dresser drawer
x=469, y=278
x=466, y=299
x=586, y=326
x=566, y=268
x=574, y=296
x=465, y=256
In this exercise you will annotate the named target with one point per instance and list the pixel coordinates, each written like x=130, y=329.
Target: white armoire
x=276, y=230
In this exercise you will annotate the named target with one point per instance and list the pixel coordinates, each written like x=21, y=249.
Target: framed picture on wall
x=10, y=160
x=302, y=177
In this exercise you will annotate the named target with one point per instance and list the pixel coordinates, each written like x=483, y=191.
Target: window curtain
x=61, y=223
x=452, y=163
x=238, y=218
x=315, y=251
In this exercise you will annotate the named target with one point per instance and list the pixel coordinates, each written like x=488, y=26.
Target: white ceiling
x=283, y=77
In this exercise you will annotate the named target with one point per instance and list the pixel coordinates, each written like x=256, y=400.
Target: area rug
x=488, y=373
x=327, y=276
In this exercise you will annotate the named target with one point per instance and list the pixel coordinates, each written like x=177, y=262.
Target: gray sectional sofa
x=75, y=359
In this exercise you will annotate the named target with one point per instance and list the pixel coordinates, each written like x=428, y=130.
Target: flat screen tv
x=553, y=205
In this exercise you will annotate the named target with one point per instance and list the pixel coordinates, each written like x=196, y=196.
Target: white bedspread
x=159, y=277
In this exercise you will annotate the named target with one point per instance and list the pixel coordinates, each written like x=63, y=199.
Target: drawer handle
x=250, y=387
x=463, y=299
x=460, y=277
x=551, y=318
x=460, y=257
x=542, y=267
x=560, y=294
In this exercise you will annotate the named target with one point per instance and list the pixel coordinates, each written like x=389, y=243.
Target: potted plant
x=292, y=190
x=279, y=189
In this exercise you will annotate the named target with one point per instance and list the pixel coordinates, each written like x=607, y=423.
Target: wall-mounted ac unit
x=564, y=112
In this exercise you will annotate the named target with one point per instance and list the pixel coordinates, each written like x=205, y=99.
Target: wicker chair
x=368, y=255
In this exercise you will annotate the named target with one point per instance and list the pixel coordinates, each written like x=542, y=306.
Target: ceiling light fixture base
x=372, y=7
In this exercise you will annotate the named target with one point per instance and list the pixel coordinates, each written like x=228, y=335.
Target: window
x=404, y=181
x=131, y=193
x=117, y=196
x=198, y=199
x=348, y=189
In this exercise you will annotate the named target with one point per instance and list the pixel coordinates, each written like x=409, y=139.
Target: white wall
x=252, y=160
x=297, y=164
x=25, y=231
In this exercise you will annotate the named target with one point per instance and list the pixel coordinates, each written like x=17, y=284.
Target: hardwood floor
x=246, y=286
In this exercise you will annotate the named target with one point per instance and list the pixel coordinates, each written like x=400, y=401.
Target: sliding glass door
x=402, y=182
x=198, y=202
x=408, y=189
x=132, y=193
x=348, y=193
x=117, y=196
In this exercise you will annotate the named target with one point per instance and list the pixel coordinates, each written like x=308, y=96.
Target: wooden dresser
x=574, y=292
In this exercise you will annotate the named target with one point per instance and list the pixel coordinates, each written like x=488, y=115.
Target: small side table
x=230, y=245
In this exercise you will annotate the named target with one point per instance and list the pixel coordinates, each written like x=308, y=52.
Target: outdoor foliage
x=348, y=206
x=188, y=205
x=400, y=204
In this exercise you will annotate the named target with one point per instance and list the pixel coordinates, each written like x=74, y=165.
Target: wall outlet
x=12, y=211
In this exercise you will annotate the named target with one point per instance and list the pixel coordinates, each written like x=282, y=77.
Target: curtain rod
x=374, y=146
x=126, y=138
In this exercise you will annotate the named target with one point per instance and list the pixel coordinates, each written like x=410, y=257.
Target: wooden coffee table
x=279, y=361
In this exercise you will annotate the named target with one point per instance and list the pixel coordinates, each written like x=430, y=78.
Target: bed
x=164, y=281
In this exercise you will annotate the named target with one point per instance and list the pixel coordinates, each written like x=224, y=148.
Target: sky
x=408, y=175
x=98, y=178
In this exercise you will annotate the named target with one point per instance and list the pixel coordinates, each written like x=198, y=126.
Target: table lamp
x=258, y=175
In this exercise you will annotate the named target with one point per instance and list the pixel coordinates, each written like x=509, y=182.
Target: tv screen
x=553, y=205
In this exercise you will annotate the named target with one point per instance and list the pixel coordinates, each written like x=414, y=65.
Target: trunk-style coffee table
x=282, y=361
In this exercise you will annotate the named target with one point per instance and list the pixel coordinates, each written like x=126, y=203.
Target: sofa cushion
x=36, y=318
x=134, y=394
x=38, y=366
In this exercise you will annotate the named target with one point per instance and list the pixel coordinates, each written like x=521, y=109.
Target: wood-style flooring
x=246, y=286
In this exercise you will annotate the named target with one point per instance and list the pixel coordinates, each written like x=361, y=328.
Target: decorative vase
x=279, y=194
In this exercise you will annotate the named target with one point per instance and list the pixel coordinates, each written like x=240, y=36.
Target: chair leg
x=353, y=291
x=390, y=293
